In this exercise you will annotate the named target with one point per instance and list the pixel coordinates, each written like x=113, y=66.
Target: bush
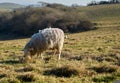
x=25, y=22
x=81, y=26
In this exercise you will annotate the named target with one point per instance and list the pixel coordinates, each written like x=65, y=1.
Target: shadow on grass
x=8, y=36
x=2, y=75
x=105, y=69
x=25, y=69
x=104, y=79
x=10, y=62
x=65, y=71
x=27, y=78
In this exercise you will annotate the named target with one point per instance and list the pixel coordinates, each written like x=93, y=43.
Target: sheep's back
x=53, y=36
x=47, y=38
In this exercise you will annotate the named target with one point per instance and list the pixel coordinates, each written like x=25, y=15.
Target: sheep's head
x=25, y=59
x=27, y=55
x=29, y=49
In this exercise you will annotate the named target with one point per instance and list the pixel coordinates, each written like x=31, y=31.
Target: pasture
x=87, y=57
x=101, y=12
x=92, y=56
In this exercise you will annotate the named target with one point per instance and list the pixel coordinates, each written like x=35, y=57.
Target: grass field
x=2, y=10
x=87, y=57
x=101, y=12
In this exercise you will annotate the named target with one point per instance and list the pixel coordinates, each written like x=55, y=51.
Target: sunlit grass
x=92, y=56
x=101, y=12
x=87, y=53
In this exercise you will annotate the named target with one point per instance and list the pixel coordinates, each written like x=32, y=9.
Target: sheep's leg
x=59, y=54
x=31, y=56
x=54, y=52
x=59, y=50
x=38, y=53
x=41, y=55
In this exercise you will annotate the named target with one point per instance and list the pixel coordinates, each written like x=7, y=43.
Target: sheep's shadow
x=10, y=62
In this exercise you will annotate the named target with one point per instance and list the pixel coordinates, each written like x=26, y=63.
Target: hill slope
x=94, y=56
x=102, y=15
x=10, y=5
x=101, y=12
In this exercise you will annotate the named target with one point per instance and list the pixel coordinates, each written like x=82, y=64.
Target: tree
x=103, y=2
x=114, y=1
x=43, y=4
x=92, y=3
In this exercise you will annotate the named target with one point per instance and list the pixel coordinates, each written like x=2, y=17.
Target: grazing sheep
x=49, y=38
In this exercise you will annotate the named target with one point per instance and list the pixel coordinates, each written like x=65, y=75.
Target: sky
x=65, y=2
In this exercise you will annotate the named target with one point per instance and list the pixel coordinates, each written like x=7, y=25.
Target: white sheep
x=49, y=38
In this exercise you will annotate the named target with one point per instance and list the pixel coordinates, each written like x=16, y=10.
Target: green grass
x=10, y=6
x=92, y=56
x=101, y=12
x=2, y=10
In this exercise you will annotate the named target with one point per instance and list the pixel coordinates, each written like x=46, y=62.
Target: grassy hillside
x=70, y=19
x=102, y=15
x=87, y=57
x=10, y=5
x=2, y=10
x=101, y=12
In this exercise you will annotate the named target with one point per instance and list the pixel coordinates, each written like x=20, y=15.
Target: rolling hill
x=102, y=15
x=101, y=12
x=87, y=57
x=10, y=5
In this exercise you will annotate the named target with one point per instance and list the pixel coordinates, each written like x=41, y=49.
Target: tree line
x=103, y=2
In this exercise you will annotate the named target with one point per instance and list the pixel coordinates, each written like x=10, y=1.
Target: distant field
x=101, y=12
x=10, y=5
x=102, y=15
x=4, y=10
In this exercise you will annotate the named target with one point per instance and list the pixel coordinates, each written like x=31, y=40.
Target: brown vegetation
x=94, y=55
x=26, y=21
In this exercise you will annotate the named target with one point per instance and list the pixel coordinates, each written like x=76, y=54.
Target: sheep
x=49, y=38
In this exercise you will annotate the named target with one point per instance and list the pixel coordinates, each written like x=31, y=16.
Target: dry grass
x=101, y=12
x=105, y=69
x=65, y=71
x=27, y=77
x=92, y=56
